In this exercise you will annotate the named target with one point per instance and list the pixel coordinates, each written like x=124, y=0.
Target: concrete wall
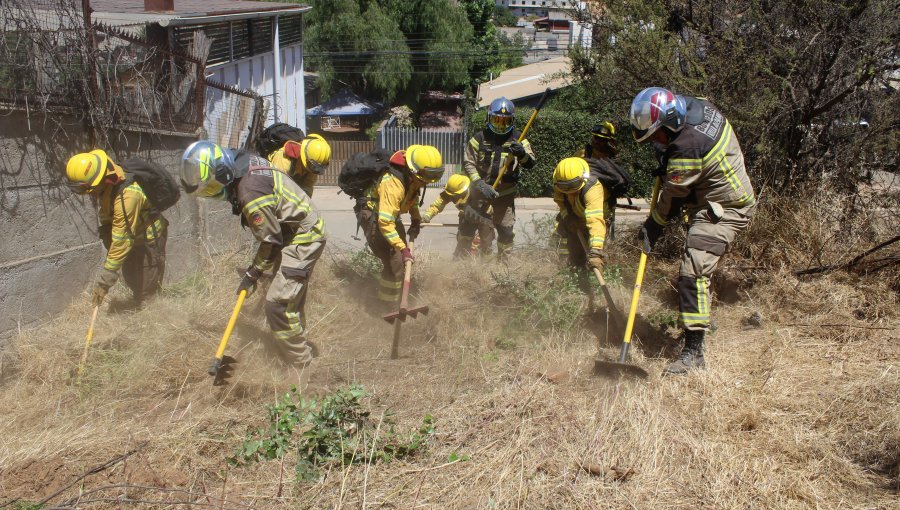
x=49, y=250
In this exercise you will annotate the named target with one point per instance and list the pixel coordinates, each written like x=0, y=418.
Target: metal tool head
x=403, y=314
x=222, y=369
x=616, y=370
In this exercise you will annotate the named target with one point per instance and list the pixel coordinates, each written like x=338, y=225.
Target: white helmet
x=654, y=107
x=206, y=169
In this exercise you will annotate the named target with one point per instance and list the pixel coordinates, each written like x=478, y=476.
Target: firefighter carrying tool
x=457, y=191
x=131, y=225
x=497, y=154
x=398, y=189
x=701, y=169
x=284, y=222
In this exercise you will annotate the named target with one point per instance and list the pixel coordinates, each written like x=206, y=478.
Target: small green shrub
x=334, y=429
x=545, y=305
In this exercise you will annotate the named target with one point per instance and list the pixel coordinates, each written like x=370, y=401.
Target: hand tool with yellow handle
x=87, y=346
x=220, y=352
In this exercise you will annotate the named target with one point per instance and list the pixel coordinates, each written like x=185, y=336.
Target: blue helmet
x=501, y=116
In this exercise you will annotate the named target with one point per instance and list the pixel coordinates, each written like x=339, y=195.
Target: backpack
x=362, y=170
x=158, y=184
x=616, y=179
x=273, y=138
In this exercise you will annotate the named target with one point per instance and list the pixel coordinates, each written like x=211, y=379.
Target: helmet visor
x=500, y=123
x=570, y=185
x=430, y=175
x=198, y=169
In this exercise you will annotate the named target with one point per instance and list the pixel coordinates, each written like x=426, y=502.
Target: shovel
x=605, y=367
x=397, y=318
x=215, y=369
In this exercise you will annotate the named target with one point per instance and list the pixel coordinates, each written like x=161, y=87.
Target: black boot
x=691, y=356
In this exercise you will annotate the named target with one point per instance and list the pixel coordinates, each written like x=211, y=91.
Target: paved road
x=341, y=222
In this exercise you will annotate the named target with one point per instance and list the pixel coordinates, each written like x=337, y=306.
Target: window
x=290, y=29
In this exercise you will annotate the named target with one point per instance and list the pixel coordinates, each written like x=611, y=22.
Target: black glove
x=650, y=233
x=486, y=190
x=413, y=231
x=517, y=150
x=248, y=282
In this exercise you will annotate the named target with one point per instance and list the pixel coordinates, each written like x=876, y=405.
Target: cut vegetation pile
x=492, y=404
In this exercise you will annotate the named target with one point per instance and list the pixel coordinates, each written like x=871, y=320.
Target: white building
x=256, y=46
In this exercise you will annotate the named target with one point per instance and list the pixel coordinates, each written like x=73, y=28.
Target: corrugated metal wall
x=451, y=144
x=257, y=74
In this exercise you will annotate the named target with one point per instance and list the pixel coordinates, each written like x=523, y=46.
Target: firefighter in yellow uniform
x=131, y=229
x=398, y=191
x=303, y=161
x=603, y=145
x=584, y=211
x=486, y=153
x=703, y=176
x=456, y=192
x=283, y=221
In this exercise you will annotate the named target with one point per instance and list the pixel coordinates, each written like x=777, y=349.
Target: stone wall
x=49, y=250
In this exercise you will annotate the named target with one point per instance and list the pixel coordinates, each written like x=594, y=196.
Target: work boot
x=691, y=356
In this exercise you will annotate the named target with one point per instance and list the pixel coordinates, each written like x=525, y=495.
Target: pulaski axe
x=397, y=318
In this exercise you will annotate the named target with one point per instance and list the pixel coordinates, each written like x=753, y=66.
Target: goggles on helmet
x=500, y=123
x=570, y=185
x=430, y=175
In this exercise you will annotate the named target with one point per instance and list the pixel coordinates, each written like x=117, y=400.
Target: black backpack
x=273, y=138
x=616, y=179
x=158, y=184
x=362, y=170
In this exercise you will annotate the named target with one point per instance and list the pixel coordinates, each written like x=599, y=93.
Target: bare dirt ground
x=802, y=411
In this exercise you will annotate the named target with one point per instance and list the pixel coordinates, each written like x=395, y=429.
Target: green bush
x=334, y=429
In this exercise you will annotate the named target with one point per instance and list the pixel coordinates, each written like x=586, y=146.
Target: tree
x=360, y=45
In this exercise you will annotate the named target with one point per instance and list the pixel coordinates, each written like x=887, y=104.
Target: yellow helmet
x=570, y=175
x=316, y=136
x=457, y=186
x=425, y=162
x=315, y=153
x=85, y=171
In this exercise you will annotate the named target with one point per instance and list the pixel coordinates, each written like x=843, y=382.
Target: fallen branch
x=853, y=262
x=93, y=470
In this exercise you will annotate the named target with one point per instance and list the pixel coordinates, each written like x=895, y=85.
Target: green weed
x=663, y=318
x=364, y=263
x=550, y=304
x=334, y=429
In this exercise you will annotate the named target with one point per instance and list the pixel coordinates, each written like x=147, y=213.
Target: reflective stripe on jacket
x=389, y=198
x=703, y=164
x=485, y=155
x=277, y=212
x=131, y=220
x=295, y=169
x=590, y=205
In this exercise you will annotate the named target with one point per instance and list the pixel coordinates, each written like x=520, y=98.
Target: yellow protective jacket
x=390, y=197
x=295, y=169
x=441, y=202
x=126, y=218
x=589, y=204
x=703, y=164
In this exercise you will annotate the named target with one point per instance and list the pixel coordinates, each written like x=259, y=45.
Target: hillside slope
x=800, y=412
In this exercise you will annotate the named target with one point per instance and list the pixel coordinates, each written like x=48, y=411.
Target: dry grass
x=791, y=415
